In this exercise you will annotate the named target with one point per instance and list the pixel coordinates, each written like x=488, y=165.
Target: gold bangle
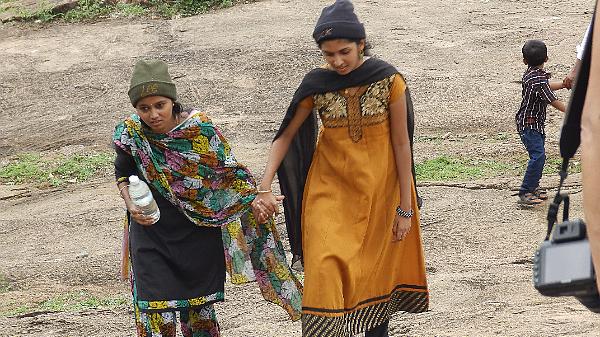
x=264, y=191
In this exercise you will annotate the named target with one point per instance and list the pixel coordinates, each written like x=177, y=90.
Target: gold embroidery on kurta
x=354, y=113
x=367, y=106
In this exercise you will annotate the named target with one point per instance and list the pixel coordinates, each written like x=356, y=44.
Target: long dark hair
x=177, y=109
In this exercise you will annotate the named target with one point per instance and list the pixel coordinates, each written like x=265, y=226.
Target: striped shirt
x=536, y=97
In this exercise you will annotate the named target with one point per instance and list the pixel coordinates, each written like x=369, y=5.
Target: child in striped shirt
x=537, y=93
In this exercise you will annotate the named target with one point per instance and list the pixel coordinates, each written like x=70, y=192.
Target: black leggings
x=379, y=331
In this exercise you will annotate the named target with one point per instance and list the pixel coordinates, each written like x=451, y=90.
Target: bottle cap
x=134, y=180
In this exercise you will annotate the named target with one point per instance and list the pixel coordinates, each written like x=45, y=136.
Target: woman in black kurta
x=206, y=227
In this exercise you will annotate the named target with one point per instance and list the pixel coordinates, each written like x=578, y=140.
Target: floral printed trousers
x=194, y=323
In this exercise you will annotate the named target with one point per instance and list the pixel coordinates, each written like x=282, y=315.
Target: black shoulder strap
x=570, y=134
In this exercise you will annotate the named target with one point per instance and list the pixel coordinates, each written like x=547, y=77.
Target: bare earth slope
x=63, y=85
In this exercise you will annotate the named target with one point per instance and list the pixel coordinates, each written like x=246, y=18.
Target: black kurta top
x=172, y=259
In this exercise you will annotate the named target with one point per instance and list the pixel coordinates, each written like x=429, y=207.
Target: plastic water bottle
x=142, y=197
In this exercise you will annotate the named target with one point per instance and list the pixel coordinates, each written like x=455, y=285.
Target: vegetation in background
x=554, y=164
x=43, y=13
x=54, y=170
x=2, y=7
x=4, y=283
x=450, y=168
x=95, y=9
x=70, y=302
x=448, y=136
x=446, y=168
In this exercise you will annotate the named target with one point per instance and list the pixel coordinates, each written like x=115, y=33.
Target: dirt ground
x=63, y=88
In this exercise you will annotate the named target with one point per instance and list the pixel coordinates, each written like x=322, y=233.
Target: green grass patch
x=130, y=10
x=4, y=5
x=95, y=9
x=3, y=8
x=80, y=301
x=16, y=311
x=498, y=137
x=87, y=10
x=429, y=139
x=192, y=7
x=26, y=167
x=501, y=136
x=70, y=302
x=4, y=284
x=553, y=165
x=43, y=13
x=449, y=168
x=445, y=168
x=54, y=170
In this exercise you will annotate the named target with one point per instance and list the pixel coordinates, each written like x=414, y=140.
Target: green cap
x=151, y=78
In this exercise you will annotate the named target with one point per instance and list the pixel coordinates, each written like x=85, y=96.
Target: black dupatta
x=293, y=170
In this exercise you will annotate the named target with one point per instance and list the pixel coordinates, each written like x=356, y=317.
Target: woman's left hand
x=401, y=227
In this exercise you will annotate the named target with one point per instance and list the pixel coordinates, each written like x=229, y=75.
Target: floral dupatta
x=193, y=167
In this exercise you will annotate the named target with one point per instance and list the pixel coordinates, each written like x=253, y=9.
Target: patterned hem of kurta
x=355, y=276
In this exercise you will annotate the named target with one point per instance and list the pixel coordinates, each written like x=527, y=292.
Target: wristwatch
x=404, y=213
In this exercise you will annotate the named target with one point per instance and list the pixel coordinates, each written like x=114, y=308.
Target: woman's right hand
x=265, y=205
x=139, y=217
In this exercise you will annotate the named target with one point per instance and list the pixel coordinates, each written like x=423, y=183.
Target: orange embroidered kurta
x=355, y=276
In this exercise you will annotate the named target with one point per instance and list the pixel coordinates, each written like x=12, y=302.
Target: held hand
x=568, y=80
x=265, y=205
x=401, y=228
x=138, y=216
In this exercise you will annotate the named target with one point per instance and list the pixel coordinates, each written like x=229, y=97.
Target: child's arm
x=557, y=85
x=558, y=105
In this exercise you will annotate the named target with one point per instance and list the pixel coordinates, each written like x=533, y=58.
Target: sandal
x=529, y=199
x=541, y=194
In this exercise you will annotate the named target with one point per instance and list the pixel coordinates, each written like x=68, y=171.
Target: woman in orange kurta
x=361, y=241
